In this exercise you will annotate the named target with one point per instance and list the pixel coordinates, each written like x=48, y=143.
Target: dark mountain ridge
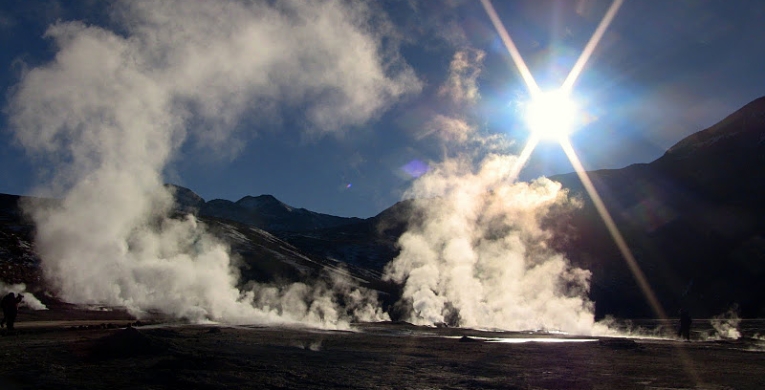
x=693, y=219
x=268, y=213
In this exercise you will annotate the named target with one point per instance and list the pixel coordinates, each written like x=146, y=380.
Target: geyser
x=109, y=112
x=478, y=256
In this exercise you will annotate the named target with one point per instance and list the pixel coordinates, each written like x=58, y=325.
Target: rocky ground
x=84, y=351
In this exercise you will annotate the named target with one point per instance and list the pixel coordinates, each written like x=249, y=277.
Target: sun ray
x=531, y=84
x=613, y=230
x=568, y=84
x=531, y=144
x=626, y=253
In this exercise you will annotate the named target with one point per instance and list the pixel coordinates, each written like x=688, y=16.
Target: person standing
x=685, y=325
x=10, y=304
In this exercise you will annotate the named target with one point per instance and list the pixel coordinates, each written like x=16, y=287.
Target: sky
x=339, y=106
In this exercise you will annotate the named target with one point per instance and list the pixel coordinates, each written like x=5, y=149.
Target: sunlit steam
x=478, y=256
x=726, y=325
x=111, y=110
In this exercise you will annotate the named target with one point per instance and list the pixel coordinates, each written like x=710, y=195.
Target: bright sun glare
x=550, y=115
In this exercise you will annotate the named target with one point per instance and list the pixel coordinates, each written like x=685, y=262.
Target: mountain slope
x=369, y=244
x=18, y=261
x=693, y=220
x=259, y=255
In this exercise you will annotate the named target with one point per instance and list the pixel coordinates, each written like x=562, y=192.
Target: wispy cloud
x=464, y=69
x=448, y=129
x=451, y=123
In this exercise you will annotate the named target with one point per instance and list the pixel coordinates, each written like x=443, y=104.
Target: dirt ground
x=85, y=353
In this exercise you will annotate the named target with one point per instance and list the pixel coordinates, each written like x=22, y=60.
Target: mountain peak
x=262, y=202
x=186, y=200
x=756, y=104
x=745, y=127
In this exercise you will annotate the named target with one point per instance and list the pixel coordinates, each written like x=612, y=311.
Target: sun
x=551, y=115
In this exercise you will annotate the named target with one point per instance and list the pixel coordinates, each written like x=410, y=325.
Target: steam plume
x=478, y=256
x=112, y=109
x=726, y=324
x=29, y=300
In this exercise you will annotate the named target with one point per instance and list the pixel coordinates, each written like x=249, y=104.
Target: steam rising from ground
x=726, y=325
x=112, y=109
x=29, y=300
x=477, y=256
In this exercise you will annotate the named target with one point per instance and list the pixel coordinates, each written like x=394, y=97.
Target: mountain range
x=694, y=219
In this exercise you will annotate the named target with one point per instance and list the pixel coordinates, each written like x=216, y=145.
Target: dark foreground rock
x=381, y=356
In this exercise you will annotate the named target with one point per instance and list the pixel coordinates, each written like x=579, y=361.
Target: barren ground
x=49, y=351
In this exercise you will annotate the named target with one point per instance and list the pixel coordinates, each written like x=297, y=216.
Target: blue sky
x=348, y=103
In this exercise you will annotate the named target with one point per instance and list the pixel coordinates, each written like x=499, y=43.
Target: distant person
x=685, y=325
x=10, y=304
x=4, y=304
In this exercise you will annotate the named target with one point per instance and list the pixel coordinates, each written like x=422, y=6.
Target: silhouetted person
x=685, y=325
x=10, y=304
